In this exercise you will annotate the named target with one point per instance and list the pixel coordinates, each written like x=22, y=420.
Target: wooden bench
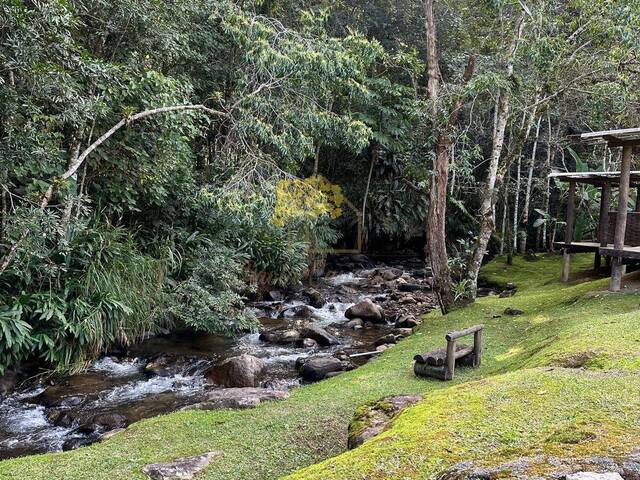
x=441, y=363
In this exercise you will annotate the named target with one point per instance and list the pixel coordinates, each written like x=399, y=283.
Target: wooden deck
x=579, y=247
x=632, y=253
x=628, y=251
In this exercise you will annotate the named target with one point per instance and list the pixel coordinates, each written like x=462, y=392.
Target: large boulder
x=241, y=371
x=181, y=469
x=366, y=310
x=375, y=417
x=317, y=368
x=320, y=335
x=246, y=397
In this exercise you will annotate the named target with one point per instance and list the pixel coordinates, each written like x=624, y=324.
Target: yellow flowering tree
x=306, y=199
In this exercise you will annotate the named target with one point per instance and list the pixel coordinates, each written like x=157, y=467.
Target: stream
x=167, y=373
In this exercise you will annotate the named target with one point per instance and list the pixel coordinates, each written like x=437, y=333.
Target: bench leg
x=451, y=360
x=477, y=348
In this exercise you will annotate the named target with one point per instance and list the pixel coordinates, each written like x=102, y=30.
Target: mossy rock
x=375, y=417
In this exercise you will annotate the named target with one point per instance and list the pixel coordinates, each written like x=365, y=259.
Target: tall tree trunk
x=516, y=205
x=436, y=234
x=487, y=208
x=505, y=215
x=527, y=194
x=547, y=186
x=436, y=237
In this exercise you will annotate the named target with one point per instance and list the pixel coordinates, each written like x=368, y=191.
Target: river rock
x=181, y=469
x=514, y=312
x=8, y=382
x=60, y=418
x=594, y=476
x=403, y=332
x=109, y=421
x=320, y=335
x=385, y=340
x=409, y=287
x=366, y=310
x=163, y=366
x=77, y=442
x=388, y=273
x=309, y=343
x=315, y=297
x=275, y=295
x=246, y=397
x=298, y=311
x=407, y=321
x=110, y=433
x=281, y=337
x=375, y=417
x=240, y=371
x=317, y=368
x=347, y=289
x=356, y=322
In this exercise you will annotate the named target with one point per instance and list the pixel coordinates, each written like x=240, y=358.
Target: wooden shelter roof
x=596, y=178
x=614, y=138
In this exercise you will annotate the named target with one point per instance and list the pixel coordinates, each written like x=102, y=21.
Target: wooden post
x=477, y=348
x=603, y=221
x=617, y=269
x=568, y=232
x=451, y=359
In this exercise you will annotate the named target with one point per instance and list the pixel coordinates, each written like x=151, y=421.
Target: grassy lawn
x=515, y=404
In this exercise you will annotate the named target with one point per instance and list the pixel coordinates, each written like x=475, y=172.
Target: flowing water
x=64, y=413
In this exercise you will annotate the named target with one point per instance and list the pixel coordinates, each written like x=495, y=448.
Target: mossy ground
x=522, y=401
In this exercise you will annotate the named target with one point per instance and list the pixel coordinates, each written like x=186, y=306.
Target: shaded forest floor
x=560, y=380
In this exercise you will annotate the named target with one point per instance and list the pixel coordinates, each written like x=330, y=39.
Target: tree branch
x=76, y=162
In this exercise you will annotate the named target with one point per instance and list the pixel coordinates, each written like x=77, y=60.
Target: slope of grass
x=509, y=406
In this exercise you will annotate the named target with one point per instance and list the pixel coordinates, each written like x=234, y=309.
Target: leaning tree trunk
x=487, y=209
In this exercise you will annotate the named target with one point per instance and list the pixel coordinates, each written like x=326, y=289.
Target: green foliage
x=111, y=294
x=208, y=300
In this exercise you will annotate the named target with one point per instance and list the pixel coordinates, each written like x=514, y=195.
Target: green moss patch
x=521, y=401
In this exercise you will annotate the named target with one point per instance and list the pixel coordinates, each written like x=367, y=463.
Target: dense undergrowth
x=524, y=399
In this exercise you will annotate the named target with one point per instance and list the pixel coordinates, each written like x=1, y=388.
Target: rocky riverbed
x=359, y=308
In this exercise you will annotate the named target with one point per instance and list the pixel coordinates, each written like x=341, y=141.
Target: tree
x=436, y=234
